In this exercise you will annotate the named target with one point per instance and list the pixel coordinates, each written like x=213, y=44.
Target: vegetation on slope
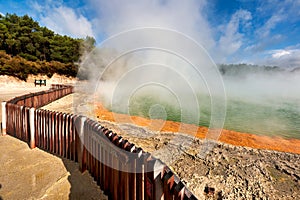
x=27, y=48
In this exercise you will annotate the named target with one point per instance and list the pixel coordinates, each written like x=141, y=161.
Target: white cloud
x=271, y=23
x=280, y=53
x=272, y=14
x=277, y=11
x=288, y=57
x=36, y=6
x=188, y=17
x=191, y=18
x=63, y=20
x=267, y=7
x=231, y=39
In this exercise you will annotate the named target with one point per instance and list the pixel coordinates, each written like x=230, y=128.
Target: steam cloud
x=158, y=63
x=120, y=67
x=116, y=16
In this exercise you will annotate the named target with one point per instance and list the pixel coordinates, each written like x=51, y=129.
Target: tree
x=24, y=37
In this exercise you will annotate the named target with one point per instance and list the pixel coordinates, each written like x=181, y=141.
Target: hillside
x=27, y=48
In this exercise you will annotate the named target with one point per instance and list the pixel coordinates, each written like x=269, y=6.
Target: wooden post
x=158, y=183
x=32, y=128
x=81, y=152
x=3, y=118
x=168, y=182
x=152, y=180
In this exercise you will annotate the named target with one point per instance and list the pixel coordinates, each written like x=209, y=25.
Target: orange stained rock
x=227, y=136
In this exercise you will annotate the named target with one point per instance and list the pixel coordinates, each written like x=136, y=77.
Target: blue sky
x=233, y=31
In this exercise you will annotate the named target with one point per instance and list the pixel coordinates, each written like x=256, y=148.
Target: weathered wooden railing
x=122, y=170
x=42, y=98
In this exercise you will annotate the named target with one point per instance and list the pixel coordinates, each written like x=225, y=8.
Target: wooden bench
x=39, y=82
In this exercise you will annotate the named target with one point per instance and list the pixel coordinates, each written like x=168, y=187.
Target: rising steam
x=158, y=65
x=140, y=70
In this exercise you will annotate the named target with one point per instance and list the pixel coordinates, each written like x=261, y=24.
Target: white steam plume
x=187, y=17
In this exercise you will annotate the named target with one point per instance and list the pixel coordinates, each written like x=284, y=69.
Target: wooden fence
x=122, y=170
x=42, y=98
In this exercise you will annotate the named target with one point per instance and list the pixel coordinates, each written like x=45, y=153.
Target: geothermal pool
x=259, y=100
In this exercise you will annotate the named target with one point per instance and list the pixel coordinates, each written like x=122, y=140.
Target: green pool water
x=273, y=118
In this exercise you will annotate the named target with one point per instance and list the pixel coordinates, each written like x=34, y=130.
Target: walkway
x=34, y=174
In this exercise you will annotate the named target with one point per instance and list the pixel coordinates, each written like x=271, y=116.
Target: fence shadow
x=0, y=189
x=83, y=185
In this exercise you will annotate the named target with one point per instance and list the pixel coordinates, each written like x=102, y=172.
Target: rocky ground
x=224, y=171
x=211, y=169
x=241, y=173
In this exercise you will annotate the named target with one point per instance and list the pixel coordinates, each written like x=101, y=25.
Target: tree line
x=24, y=44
